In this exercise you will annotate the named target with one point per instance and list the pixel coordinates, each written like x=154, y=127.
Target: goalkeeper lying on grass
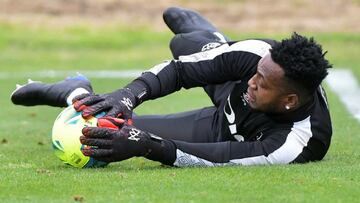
x=268, y=104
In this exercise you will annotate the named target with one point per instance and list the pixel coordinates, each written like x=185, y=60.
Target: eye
x=258, y=77
x=261, y=83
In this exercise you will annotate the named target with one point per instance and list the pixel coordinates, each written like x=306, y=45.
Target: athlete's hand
x=119, y=103
x=114, y=140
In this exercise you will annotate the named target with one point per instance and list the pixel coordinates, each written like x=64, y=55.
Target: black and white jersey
x=244, y=136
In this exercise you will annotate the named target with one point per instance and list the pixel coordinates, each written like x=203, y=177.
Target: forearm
x=184, y=154
x=159, y=81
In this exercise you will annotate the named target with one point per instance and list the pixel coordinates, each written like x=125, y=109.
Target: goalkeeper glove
x=119, y=103
x=115, y=140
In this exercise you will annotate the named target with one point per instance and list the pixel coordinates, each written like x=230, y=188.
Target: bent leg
x=193, y=42
x=191, y=126
x=193, y=34
x=180, y=20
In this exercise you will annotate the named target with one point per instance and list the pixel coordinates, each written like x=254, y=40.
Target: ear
x=291, y=101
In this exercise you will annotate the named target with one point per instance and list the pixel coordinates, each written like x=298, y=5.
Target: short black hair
x=303, y=62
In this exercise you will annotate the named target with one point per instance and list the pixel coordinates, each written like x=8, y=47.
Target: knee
x=171, y=13
x=192, y=42
x=176, y=46
x=184, y=44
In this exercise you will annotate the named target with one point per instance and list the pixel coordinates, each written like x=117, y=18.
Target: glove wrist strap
x=139, y=90
x=163, y=151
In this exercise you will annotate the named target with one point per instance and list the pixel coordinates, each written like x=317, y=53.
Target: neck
x=295, y=114
x=305, y=100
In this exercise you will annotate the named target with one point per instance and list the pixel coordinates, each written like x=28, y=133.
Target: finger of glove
x=97, y=153
x=120, y=112
x=114, y=112
x=95, y=132
x=110, y=122
x=100, y=143
x=80, y=97
x=126, y=114
x=87, y=101
x=130, y=121
x=95, y=109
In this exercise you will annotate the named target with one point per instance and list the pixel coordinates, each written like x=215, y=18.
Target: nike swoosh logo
x=230, y=117
x=260, y=136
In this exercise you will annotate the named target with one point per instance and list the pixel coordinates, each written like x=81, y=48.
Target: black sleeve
x=227, y=153
x=277, y=147
x=215, y=66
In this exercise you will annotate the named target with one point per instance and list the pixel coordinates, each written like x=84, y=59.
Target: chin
x=256, y=108
x=253, y=107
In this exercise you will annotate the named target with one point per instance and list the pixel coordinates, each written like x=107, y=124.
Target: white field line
x=345, y=85
x=62, y=74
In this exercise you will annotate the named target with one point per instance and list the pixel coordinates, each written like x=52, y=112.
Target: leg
x=195, y=34
x=192, y=126
x=193, y=42
x=58, y=94
x=180, y=20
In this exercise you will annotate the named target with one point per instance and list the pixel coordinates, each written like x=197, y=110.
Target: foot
x=58, y=94
x=181, y=20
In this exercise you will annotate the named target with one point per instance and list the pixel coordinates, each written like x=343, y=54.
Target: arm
x=297, y=144
x=277, y=147
x=215, y=66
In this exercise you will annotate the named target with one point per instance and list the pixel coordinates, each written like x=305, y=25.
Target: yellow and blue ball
x=66, y=132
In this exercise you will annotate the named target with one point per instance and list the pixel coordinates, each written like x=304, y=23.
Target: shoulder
x=297, y=130
x=254, y=46
x=294, y=141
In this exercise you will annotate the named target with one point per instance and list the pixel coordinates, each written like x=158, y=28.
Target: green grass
x=29, y=172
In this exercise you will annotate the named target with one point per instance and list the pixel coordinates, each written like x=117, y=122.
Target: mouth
x=250, y=96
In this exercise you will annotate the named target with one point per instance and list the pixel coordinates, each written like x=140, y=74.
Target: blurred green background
x=95, y=35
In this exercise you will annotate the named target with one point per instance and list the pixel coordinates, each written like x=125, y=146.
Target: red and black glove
x=115, y=140
x=119, y=103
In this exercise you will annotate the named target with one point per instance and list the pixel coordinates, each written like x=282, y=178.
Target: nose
x=251, y=83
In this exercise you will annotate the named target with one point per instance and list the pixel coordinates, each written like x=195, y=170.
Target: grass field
x=29, y=171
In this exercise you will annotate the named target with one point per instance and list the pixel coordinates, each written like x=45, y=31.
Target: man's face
x=266, y=88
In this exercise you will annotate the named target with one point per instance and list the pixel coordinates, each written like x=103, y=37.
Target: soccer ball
x=65, y=138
